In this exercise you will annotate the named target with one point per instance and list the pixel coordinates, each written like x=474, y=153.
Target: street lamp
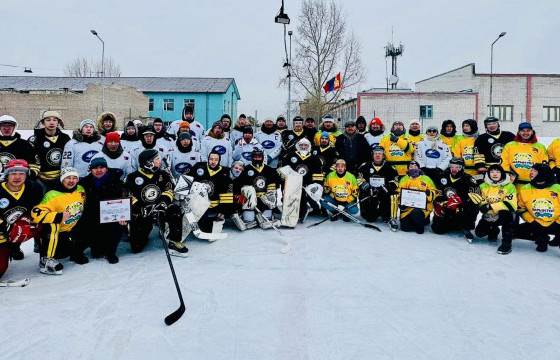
x=282, y=18
x=102, y=70
x=290, y=77
x=491, y=112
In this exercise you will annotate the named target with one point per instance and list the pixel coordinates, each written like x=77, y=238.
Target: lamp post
x=102, y=70
x=290, y=77
x=491, y=112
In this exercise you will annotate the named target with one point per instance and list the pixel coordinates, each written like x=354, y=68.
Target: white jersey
x=373, y=140
x=123, y=162
x=432, y=158
x=221, y=146
x=78, y=154
x=163, y=150
x=181, y=161
x=128, y=145
x=243, y=150
x=272, y=145
x=235, y=135
x=195, y=127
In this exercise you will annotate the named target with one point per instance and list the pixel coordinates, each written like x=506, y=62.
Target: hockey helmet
x=146, y=160
x=16, y=165
x=303, y=146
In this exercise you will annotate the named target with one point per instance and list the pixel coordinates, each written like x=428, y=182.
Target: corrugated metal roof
x=143, y=84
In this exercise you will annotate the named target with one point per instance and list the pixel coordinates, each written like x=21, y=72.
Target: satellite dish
x=393, y=79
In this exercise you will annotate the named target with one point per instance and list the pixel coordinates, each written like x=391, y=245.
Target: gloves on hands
x=453, y=202
x=485, y=208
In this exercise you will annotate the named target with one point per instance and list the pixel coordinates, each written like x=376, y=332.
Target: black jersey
x=327, y=155
x=217, y=179
x=263, y=179
x=488, y=148
x=15, y=204
x=372, y=174
x=47, y=151
x=14, y=147
x=148, y=189
x=308, y=166
x=289, y=140
x=461, y=186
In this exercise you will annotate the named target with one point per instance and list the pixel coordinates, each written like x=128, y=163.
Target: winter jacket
x=354, y=149
x=432, y=155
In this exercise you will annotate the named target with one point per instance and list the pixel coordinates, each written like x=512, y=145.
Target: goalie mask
x=257, y=157
x=149, y=161
x=456, y=167
x=303, y=147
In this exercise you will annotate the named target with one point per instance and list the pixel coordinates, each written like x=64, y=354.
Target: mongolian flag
x=333, y=84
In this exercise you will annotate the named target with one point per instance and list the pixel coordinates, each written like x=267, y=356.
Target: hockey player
x=378, y=182
x=539, y=205
x=244, y=147
x=17, y=197
x=57, y=214
x=414, y=135
x=361, y=125
x=185, y=156
x=115, y=156
x=255, y=189
x=454, y=208
x=236, y=133
x=103, y=183
x=329, y=126
x=106, y=123
x=519, y=155
x=326, y=153
x=85, y=143
x=217, y=179
x=553, y=151
x=291, y=137
x=432, y=154
x=186, y=127
x=340, y=189
x=148, y=141
x=152, y=191
x=216, y=140
x=271, y=141
x=413, y=218
x=188, y=116
x=464, y=146
x=310, y=129
x=281, y=124
x=48, y=144
x=497, y=203
x=12, y=146
x=352, y=147
x=226, y=124
x=449, y=133
x=488, y=146
x=129, y=138
x=398, y=151
x=375, y=132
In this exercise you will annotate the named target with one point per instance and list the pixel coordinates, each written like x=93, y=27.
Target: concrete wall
x=126, y=102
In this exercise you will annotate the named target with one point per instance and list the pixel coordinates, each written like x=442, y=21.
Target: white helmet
x=303, y=146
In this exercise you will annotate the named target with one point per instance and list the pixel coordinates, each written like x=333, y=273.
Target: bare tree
x=324, y=47
x=87, y=67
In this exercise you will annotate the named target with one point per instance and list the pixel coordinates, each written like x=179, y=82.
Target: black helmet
x=377, y=148
x=458, y=161
x=146, y=160
x=257, y=156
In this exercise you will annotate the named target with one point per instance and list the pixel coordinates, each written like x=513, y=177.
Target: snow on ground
x=343, y=292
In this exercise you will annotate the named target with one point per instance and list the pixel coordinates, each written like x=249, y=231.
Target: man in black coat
x=352, y=147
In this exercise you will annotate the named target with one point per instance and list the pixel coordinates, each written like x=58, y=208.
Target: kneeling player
x=340, y=189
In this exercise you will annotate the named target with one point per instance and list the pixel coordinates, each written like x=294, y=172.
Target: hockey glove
x=439, y=209
x=251, y=197
x=453, y=202
x=269, y=199
x=476, y=198
x=365, y=187
x=485, y=208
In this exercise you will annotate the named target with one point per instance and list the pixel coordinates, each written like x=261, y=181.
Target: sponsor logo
x=267, y=144
x=293, y=159
x=250, y=173
x=4, y=203
x=75, y=210
x=86, y=157
x=200, y=172
x=138, y=181
x=54, y=156
x=443, y=181
x=491, y=140
x=542, y=208
x=433, y=154
x=219, y=149
x=522, y=161
x=47, y=144
x=181, y=167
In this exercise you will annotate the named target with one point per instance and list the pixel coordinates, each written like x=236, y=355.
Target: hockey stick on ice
x=333, y=215
x=288, y=246
x=354, y=219
x=14, y=283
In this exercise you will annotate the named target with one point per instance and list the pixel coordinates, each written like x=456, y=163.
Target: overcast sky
x=239, y=39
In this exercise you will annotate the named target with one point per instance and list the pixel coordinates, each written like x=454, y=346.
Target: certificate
x=376, y=182
x=413, y=198
x=114, y=210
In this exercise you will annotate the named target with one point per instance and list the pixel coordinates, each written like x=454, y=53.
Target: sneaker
x=79, y=259
x=112, y=259
x=394, y=224
x=504, y=249
x=178, y=246
x=50, y=266
x=468, y=235
x=17, y=254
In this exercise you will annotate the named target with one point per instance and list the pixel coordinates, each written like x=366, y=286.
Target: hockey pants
x=536, y=231
x=141, y=227
x=60, y=244
x=376, y=206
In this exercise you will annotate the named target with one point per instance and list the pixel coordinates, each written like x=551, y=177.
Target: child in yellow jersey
x=340, y=189
x=497, y=203
x=413, y=219
x=539, y=205
x=464, y=146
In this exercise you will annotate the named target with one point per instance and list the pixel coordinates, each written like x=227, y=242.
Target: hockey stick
x=14, y=283
x=333, y=215
x=354, y=219
x=288, y=246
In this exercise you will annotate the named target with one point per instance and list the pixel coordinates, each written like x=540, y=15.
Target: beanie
x=185, y=135
x=219, y=124
x=97, y=162
x=50, y=113
x=112, y=136
x=68, y=171
x=158, y=120
x=225, y=116
x=184, y=124
x=325, y=134
x=86, y=122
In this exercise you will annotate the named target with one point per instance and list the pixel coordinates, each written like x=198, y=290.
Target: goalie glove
x=476, y=198
x=250, y=197
x=315, y=192
x=453, y=202
x=269, y=199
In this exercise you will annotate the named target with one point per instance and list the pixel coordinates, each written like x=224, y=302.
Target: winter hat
x=523, y=125
x=473, y=125
x=7, y=119
x=185, y=135
x=350, y=123
x=68, y=171
x=361, y=120
x=225, y=116
x=414, y=162
x=444, y=125
x=376, y=121
x=297, y=119
x=280, y=117
x=325, y=134
x=377, y=148
x=148, y=130
x=130, y=124
x=415, y=121
x=328, y=118
x=184, y=124
x=310, y=119
x=84, y=123
x=219, y=124
x=242, y=116
x=431, y=127
x=138, y=122
x=544, y=178
x=268, y=118
x=98, y=162
x=248, y=130
x=397, y=132
x=112, y=136
x=50, y=113
x=158, y=120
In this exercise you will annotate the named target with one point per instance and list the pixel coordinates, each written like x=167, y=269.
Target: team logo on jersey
x=200, y=172
x=543, y=208
x=491, y=140
x=449, y=192
x=267, y=144
x=468, y=153
x=219, y=149
x=522, y=161
x=138, y=181
x=47, y=144
x=250, y=173
x=88, y=155
x=496, y=150
x=432, y=154
x=150, y=193
x=181, y=167
x=290, y=137
x=302, y=170
x=247, y=156
x=54, y=156
x=340, y=191
x=5, y=157
x=260, y=182
x=443, y=181
x=75, y=210
x=4, y=203
x=371, y=170
x=293, y=159
x=12, y=215
x=314, y=152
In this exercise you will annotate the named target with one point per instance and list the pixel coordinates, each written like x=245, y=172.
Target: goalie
x=255, y=191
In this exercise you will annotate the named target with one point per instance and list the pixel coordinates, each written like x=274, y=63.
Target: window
x=189, y=102
x=426, y=111
x=503, y=112
x=168, y=104
x=150, y=104
x=551, y=113
x=225, y=107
